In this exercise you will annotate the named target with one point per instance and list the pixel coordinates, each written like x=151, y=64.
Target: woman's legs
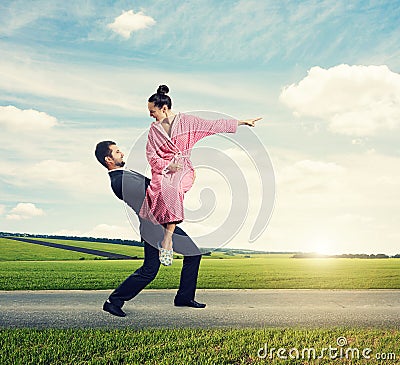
x=176, y=192
x=169, y=229
x=166, y=250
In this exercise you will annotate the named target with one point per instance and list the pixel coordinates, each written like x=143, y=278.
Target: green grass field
x=29, y=266
x=11, y=250
x=107, y=247
x=256, y=273
x=196, y=346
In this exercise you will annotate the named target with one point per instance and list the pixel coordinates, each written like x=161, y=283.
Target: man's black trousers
x=136, y=282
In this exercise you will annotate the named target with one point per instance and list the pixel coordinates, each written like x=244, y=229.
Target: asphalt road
x=225, y=308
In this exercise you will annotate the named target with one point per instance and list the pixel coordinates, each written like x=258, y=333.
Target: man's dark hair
x=103, y=150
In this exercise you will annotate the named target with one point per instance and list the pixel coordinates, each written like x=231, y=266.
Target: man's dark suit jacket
x=130, y=186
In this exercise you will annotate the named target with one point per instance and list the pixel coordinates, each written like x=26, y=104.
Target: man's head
x=109, y=155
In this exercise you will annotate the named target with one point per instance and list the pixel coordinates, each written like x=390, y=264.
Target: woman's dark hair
x=160, y=98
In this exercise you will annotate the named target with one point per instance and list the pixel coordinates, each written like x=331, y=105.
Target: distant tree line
x=243, y=251
x=348, y=256
x=206, y=251
x=75, y=238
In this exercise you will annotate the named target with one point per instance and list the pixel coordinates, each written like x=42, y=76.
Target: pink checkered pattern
x=164, y=196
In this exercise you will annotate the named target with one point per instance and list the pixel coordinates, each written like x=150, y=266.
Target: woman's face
x=157, y=113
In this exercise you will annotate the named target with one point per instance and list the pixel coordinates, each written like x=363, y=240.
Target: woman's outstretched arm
x=249, y=122
x=198, y=128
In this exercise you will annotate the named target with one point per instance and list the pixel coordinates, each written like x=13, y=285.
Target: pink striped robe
x=164, y=196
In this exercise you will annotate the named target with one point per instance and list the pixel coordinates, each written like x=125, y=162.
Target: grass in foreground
x=255, y=273
x=197, y=346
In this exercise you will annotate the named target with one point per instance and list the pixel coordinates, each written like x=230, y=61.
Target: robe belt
x=180, y=154
x=176, y=156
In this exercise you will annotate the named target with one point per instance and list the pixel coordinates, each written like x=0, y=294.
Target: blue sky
x=324, y=76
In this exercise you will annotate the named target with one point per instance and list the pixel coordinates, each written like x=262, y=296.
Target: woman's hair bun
x=163, y=89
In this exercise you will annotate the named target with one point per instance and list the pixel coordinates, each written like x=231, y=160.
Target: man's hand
x=174, y=167
x=249, y=122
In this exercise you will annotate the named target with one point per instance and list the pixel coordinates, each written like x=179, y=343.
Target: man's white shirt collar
x=119, y=168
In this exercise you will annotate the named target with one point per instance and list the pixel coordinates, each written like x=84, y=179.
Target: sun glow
x=323, y=247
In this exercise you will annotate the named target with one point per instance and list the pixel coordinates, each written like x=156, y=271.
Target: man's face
x=156, y=113
x=117, y=156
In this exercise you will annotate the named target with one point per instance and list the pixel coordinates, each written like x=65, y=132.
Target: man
x=130, y=186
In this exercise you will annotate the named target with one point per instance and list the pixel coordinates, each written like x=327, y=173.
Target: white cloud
x=355, y=100
x=86, y=90
x=129, y=22
x=60, y=163
x=67, y=232
x=354, y=218
x=13, y=217
x=57, y=178
x=111, y=231
x=357, y=141
x=25, y=120
x=102, y=230
x=24, y=211
x=308, y=175
x=95, y=88
x=14, y=17
x=346, y=201
x=2, y=209
x=71, y=176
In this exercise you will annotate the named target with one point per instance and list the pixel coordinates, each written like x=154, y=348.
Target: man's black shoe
x=113, y=309
x=189, y=303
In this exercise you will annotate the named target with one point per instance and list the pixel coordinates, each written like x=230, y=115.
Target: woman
x=169, y=144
